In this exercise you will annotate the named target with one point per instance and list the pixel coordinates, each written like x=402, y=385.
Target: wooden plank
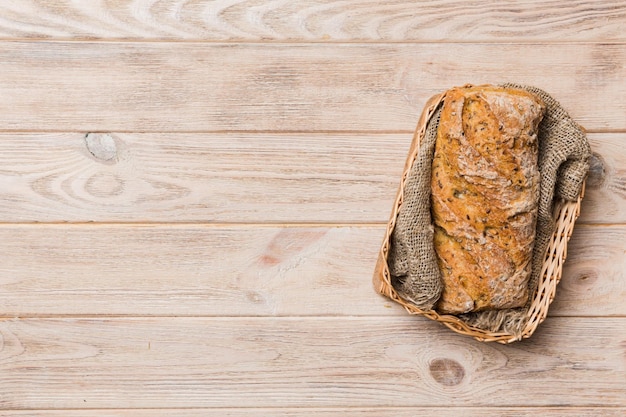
x=194, y=270
x=200, y=177
x=605, y=195
x=166, y=87
x=188, y=270
x=332, y=412
x=305, y=362
x=593, y=272
x=313, y=177
x=315, y=20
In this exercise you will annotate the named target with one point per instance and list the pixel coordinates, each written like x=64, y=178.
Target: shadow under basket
x=565, y=215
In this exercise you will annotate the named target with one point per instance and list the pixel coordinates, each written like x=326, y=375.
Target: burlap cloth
x=563, y=163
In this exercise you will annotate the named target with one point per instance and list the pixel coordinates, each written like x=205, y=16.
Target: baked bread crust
x=485, y=190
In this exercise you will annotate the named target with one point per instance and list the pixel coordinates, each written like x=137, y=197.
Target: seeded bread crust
x=485, y=191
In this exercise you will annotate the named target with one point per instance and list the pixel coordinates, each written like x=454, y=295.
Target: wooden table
x=194, y=194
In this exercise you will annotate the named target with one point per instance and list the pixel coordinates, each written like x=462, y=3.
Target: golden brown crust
x=485, y=186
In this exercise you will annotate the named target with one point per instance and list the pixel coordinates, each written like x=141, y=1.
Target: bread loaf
x=485, y=190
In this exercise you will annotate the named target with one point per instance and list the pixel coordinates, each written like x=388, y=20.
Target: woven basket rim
x=565, y=214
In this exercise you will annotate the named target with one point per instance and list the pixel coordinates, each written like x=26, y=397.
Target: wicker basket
x=565, y=213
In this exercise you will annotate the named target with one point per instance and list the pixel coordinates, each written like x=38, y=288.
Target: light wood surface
x=297, y=362
x=333, y=412
x=194, y=194
x=314, y=20
x=161, y=86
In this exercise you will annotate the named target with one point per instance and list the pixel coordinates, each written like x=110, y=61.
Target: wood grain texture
x=605, y=195
x=335, y=178
x=343, y=178
x=332, y=412
x=298, y=362
x=192, y=270
x=167, y=87
x=591, y=275
x=188, y=270
x=314, y=20
x=239, y=159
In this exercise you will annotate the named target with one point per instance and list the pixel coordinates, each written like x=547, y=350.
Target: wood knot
x=255, y=297
x=587, y=278
x=597, y=171
x=102, y=146
x=447, y=372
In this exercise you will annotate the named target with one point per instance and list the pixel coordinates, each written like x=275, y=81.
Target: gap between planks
x=286, y=317
x=306, y=42
x=451, y=410
x=228, y=225
x=216, y=225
